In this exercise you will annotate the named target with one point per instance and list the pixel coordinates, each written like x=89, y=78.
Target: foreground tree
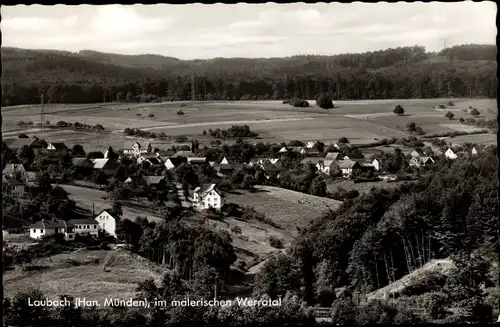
x=324, y=101
x=398, y=110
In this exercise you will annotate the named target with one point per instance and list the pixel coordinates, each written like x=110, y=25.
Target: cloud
x=25, y=23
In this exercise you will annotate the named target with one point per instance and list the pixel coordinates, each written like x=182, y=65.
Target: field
x=359, y=121
x=362, y=188
x=80, y=274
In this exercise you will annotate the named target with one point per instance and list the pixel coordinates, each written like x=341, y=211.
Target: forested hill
x=90, y=76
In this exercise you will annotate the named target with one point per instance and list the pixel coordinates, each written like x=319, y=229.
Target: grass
x=274, y=121
x=62, y=276
x=282, y=206
x=362, y=188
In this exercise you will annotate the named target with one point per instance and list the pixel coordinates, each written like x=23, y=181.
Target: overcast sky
x=243, y=30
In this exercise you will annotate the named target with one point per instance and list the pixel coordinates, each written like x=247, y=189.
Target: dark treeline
x=89, y=76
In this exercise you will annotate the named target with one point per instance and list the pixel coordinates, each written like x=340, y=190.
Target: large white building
x=48, y=228
x=207, y=196
x=85, y=226
x=106, y=222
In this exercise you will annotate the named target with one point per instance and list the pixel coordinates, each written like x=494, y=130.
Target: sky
x=197, y=31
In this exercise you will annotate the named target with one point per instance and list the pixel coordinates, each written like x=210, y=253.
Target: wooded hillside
x=90, y=76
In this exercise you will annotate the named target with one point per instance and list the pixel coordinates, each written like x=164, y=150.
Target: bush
x=181, y=138
x=324, y=101
x=449, y=115
x=419, y=130
x=411, y=127
x=475, y=112
x=236, y=230
x=23, y=136
x=275, y=242
x=398, y=110
x=299, y=103
x=442, y=106
x=180, y=113
x=151, y=116
x=450, y=103
x=461, y=120
x=343, y=140
x=139, y=115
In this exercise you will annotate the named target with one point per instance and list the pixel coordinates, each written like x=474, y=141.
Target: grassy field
x=80, y=274
x=362, y=188
x=283, y=207
x=359, y=121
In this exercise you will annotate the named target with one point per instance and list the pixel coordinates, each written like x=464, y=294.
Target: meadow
x=359, y=121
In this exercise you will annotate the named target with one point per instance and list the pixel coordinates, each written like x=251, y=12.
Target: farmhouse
x=227, y=160
x=197, y=160
x=376, y=164
x=107, y=166
x=354, y=156
x=154, y=182
x=312, y=160
x=349, y=168
x=450, y=154
x=107, y=222
x=14, y=171
x=85, y=226
x=421, y=161
x=151, y=157
x=342, y=146
x=417, y=153
x=309, y=151
x=16, y=144
x=297, y=149
x=57, y=147
x=174, y=162
x=207, y=196
x=136, y=150
x=14, y=188
x=311, y=144
x=47, y=228
x=332, y=156
x=135, y=180
x=326, y=166
x=82, y=163
x=473, y=151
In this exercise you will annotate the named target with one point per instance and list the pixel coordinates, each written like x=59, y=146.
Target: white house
x=174, y=162
x=311, y=144
x=207, y=196
x=11, y=170
x=47, y=228
x=376, y=163
x=57, y=147
x=416, y=153
x=421, y=161
x=14, y=188
x=85, y=226
x=326, y=166
x=450, y=154
x=349, y=167
x=298, y=149
x=136, y=150
x=106, y=222
x=226, y=161
x=474, y=151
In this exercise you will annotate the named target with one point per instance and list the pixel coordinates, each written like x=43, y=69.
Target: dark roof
x=19, y=143
x=268, y=167
x=59, y=146
x=149, y=155
x=347, y=164
x=11, y=168
x=203, y=189
x=313, y=160
x=355, y=156
x=177, y=161
x=227, y=166
x=78, y=162
x=332, y=155
x=49, y=224
x=83, y=221
x=152, y=180
x=155, y=161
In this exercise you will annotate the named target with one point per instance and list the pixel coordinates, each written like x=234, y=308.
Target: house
x=151, y=157
x=174, y=162
x=416, y=153
x=186, y=154
x=326, y=166
x=47, y=228
x=311, y=144
x=207, y=196
x=16, y=144
x=312, y=160
x=354, y=156
x=58, y=147
x=136, y=150
x=108, y=166
x=135, y=180
x=450, y=154
x=154, y=181
x=14, y=188
x=197, y=160
x=82, y=163
x=367, y=167
x=377, y=164
x=258, y=161
x=107, y=222
x=31, y=177
x=342, y=146
x=421, y=161
x=298, y=149
x=227, y=160
x=309, y=151
x=349, y=168
x=85, y=226
x=226, y=169
x=474, y=151
x=332, y=156
x=14, y=171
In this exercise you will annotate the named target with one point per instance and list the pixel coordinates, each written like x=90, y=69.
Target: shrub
x=398, y=110
x=411, y=127
x=343, y=140
x=180, y=113
x=475, y=112
x=449, y=115
x=419, y=130
x=151, y=116
x=275, y=242
x=324, y=101
x=181, y=138
x=23, y=136
x=139, y=115
x=450, y=103
x=47, y=122
x=442, y=106
x=462, y=120
x=299, y=103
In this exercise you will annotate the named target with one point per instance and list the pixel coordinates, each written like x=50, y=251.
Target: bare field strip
x=462, y=128
x=362, y=188
x=484, y=139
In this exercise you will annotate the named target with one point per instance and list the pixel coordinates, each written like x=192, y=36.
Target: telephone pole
x=41, y=111
x=192, y=88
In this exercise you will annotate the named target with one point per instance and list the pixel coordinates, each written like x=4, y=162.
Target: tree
x=411, y=127
x=111, y=154
x=26, y=154
x=120, y=96
x=23, y=136
x=343, y=140
x=324, y=101
x=101, y=178
x=462, y=120
x=180, y=113
x=398, y=110
x=449, y=115
x=475, y=112
x=77, y=151
x=21, y=313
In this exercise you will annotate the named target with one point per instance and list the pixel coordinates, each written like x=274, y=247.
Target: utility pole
x=192, y=88
x=41, y=111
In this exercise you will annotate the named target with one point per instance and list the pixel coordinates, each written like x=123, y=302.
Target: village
x=340, y=160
